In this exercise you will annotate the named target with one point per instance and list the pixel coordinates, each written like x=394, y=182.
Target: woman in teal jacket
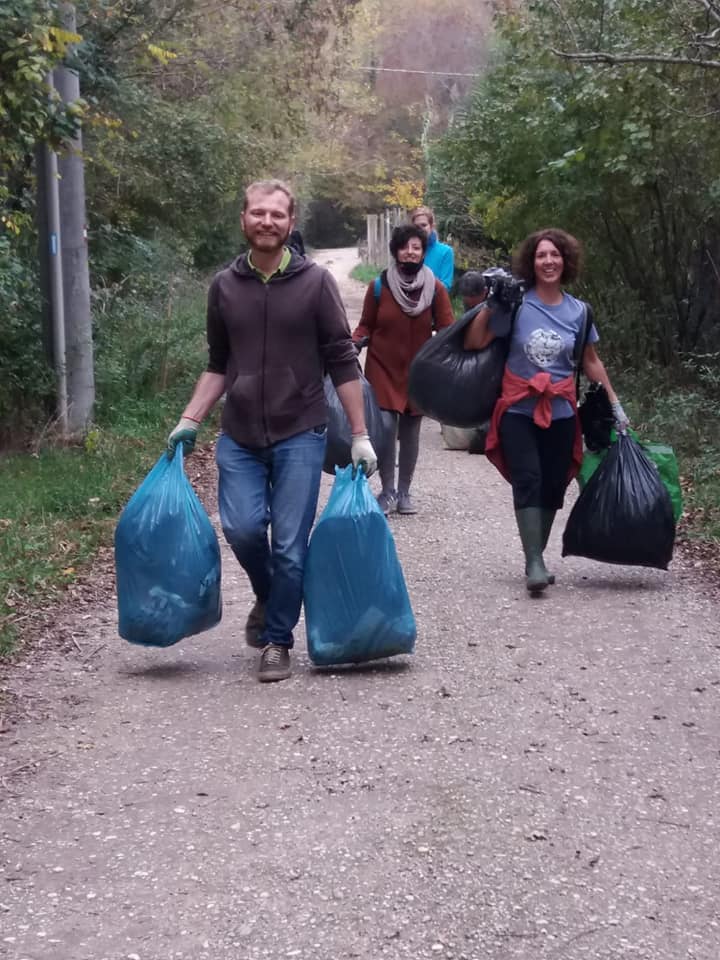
x=439, y=257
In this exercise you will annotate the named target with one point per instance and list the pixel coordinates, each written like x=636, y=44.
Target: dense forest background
x=183, y=102
x=600, y=116
x=504, y=116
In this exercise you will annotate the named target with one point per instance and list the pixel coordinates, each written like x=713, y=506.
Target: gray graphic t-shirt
x=543, y=340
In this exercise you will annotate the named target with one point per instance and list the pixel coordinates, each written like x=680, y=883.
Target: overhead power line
x=429, y=73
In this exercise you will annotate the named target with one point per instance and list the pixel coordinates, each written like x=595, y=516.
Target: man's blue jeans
x=278, y=487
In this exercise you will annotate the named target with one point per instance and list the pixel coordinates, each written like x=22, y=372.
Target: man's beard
x=268, y=242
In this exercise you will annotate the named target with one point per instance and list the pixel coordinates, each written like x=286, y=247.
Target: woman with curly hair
x=535, y=438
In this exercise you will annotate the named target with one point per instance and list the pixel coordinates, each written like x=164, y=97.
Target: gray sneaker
x=254, y=626
x=405, y=504
x=387, y=501
x=274, y=663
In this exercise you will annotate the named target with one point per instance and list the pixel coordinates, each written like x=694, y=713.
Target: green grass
x=365, y=272
x=703, y=498
x=687, y=417
x=59, y=505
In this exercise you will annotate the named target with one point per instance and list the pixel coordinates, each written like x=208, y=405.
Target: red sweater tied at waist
x=541, y=386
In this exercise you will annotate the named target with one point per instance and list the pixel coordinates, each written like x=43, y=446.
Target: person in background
x=472, y=289
x=439, y=257
x=275, y=323
x=295, y=242
x=535, y=439
x=395, y=325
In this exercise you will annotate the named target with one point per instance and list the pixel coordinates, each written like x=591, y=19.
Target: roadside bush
x=26, y=379
x=146, y=347
x=685, y=415
x=149, y=321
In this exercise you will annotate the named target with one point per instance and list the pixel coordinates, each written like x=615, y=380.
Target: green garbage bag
x=662, y=455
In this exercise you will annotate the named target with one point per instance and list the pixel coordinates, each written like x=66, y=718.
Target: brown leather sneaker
x=255, y=625
x=274, y=663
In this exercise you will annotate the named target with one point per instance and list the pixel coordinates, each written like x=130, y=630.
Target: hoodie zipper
x=263, y=365
x=266, y=286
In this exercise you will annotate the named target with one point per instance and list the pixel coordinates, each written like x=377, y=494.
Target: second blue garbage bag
x=357, y=606
x=167, y=560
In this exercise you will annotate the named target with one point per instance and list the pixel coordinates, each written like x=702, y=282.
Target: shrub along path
x=538, y=782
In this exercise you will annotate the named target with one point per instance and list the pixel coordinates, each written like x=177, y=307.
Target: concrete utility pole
x=56, y=293
x=51, y=283
x=79, y=363
x=42, y=215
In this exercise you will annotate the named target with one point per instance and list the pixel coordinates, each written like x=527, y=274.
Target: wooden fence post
x=379, y=228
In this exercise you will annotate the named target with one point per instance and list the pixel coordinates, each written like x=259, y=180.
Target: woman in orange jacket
x=535, y=439
x=398, y=316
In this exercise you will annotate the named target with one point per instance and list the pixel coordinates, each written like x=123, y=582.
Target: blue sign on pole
x=53, y=244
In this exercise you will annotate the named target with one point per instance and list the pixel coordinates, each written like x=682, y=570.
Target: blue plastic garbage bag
x=167, y=560
x=357, y=606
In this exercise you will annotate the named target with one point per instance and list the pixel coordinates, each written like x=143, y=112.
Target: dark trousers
x=407, y=438
x=538, y=459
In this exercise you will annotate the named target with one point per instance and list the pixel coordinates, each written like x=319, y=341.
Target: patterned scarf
x=401, y=287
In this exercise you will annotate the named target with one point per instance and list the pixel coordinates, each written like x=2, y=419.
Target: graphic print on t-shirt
x=543, y=347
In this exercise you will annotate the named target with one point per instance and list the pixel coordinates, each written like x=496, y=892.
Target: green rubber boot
x=530, y=526
x=548, y=518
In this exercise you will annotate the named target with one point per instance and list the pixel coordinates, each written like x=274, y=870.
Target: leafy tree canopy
x=625, y=156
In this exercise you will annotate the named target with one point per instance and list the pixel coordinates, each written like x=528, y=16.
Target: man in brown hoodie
x=275, y=324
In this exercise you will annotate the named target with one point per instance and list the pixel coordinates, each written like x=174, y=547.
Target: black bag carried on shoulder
x=380, y=426
x=624, y=513
x=456, y=386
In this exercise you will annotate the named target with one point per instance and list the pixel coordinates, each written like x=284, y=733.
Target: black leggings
x=538, y=459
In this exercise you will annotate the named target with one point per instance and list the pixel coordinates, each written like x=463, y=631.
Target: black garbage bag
x=596, y=418
x=456, y=386
x=624, y=513
x=380, y=424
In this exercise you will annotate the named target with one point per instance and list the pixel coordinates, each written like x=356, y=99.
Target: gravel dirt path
x=539, y=782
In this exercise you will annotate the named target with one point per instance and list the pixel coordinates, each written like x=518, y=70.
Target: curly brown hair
x=402, y=233
x=569, y=247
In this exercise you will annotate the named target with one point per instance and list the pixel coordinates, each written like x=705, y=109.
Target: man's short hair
x=271, y=186
x=400, y=236
x=423, y=212
x=472, y=284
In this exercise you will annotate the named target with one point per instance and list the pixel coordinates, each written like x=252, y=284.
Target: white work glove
x=185, y=433
x=621, y=419
x=362, y=452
